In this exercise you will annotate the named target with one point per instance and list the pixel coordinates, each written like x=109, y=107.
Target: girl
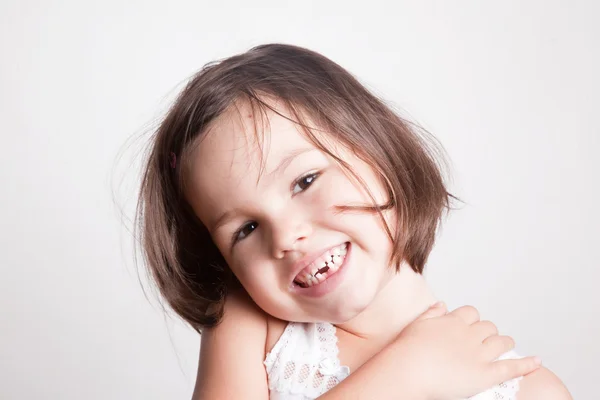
x=287, y=213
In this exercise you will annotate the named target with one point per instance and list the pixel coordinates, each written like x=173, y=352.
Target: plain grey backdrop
x=510, y=88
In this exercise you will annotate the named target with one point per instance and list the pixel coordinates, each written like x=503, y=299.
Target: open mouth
x=323, y=267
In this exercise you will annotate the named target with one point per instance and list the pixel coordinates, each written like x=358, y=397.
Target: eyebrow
x=283, y=164
x=287, y=160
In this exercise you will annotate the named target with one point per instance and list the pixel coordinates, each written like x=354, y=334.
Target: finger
x=484, y=329
x=494, y=346
x=505, y=370
x=468, y=314
x=437, y=310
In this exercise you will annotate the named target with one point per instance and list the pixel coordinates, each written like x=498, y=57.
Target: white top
x=304, y=364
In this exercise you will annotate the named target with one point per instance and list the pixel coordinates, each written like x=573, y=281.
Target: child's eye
x=244, y=231
x=304, y=182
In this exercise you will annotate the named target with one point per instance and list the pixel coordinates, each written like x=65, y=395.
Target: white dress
x=304, y=364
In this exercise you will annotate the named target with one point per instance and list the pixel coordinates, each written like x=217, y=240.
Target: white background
x=510, y=88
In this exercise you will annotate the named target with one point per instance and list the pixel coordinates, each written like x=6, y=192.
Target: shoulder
x=232, y=353
x=240, y=308
x=275, y=328
x=542, y=384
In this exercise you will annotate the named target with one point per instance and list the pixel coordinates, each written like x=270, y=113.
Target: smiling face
x=272, y=209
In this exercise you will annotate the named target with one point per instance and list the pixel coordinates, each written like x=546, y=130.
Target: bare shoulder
x=543, y=384
x=232, y=353
x=275, y=328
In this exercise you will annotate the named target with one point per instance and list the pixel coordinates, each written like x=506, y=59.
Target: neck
x=403, y=298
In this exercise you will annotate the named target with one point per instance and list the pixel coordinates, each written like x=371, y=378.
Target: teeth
x=331, y=259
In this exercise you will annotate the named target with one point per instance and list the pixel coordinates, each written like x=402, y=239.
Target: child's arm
x=437, y=357
x=232, y=354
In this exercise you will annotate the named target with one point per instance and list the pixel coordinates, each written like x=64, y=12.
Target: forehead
x=243, y=142
x=237, y=154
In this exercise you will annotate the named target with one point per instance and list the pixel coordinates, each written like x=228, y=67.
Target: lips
x=322, y=267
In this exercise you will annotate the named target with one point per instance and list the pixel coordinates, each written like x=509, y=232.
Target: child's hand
x=452, y=355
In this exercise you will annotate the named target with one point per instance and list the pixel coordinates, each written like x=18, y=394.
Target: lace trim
x=305, y=360
x=276, y=350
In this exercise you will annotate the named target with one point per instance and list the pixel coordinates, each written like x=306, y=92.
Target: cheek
x=257, y=288
x=256, y=276
x=338, y=190
x=263, y=288
x=243, y=272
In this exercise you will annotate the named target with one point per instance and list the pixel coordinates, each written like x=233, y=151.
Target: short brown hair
x=188, y=268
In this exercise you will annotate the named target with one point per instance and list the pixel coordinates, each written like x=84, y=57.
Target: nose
x=288, y=233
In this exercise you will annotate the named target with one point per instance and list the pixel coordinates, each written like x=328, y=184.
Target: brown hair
x=188, y=268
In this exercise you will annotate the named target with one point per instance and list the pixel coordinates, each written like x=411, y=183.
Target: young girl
x=287, y=213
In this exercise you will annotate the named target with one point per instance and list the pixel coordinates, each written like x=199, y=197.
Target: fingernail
x=537, y=360
x=438, y=304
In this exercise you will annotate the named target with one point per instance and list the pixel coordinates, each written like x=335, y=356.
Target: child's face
x=269, y=223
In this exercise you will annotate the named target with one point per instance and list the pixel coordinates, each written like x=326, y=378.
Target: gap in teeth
x=323, y=270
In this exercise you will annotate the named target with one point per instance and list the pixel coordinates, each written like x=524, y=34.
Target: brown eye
x=304, y=182
x=244, y=231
